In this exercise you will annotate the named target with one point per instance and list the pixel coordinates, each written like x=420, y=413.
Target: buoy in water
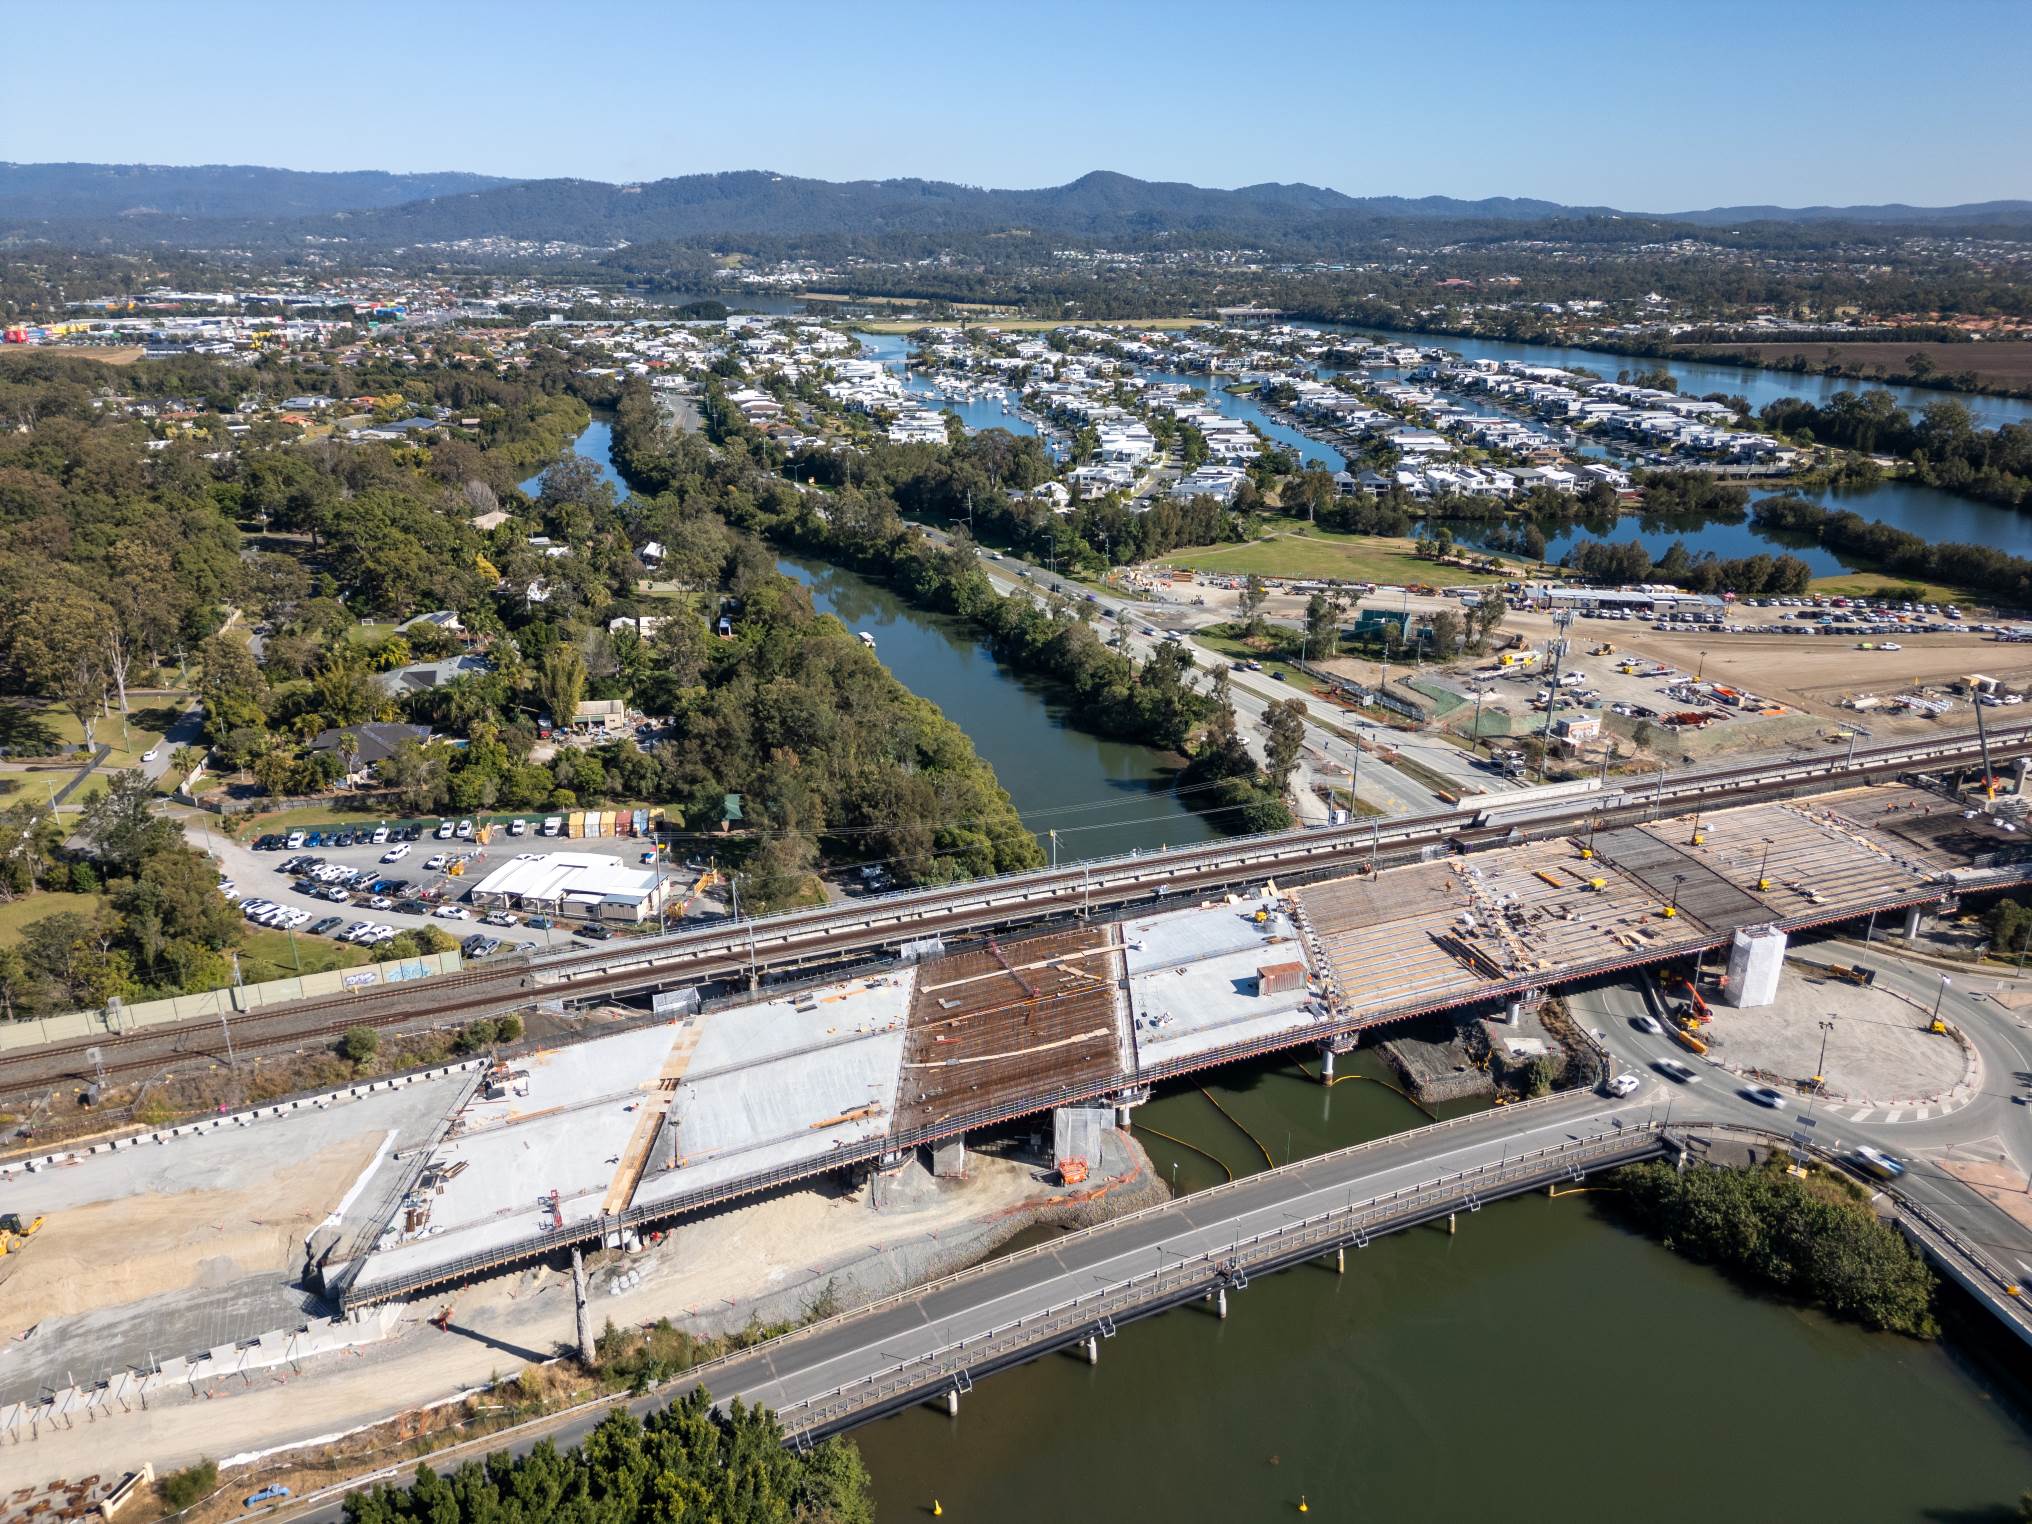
x=937, y=1512
x=1301, y=1504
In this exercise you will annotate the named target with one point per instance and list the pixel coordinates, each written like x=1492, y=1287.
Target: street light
x=1672, y=909
x=1763, y=881
x=1701, y=669
x=1938, y=996
x=1820, y=1064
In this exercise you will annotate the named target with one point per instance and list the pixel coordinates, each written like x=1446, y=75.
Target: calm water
x=1102, y=797
x=893, y=350
x=1697, y=380
x=1310, y=450
x=1543, y=1364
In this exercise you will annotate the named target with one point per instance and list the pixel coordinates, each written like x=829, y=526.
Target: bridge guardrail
x=1192, y=1274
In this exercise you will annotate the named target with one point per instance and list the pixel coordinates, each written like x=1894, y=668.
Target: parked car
x=444, y=829
x=518, y=827
x=541, y=923
x=327, y=926
x=498, y=918
x=453, y=913
x=435, y=862
x=596, y=931
x=464, y=830
x=395, y=854
x=352, y=932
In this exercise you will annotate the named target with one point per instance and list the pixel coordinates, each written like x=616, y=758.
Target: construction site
x=403, y=1187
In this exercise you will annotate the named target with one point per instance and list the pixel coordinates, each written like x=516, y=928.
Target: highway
x=833, y=934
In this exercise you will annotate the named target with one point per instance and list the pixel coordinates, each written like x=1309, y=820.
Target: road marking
x=1896, y=1116
x=1861, y=1114
x=1924, y=1113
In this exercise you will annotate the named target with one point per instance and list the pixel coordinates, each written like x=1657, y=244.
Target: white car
x=380, y=902
x=1889, y=645
x=354, y=932
x=378, y=934
x=518, y=827
x=434, y=862
x=445, y=829
x=151, y=754
x=453, y=913
x=395, y=854
x=499, y=918
x=1673, y=1069
x=230, y=890
x=1622, y=1084
x=1647, y=1024
x=1764, y=1095
x=465, y=830
x=380, y=835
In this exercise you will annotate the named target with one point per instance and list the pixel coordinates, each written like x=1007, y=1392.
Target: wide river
x=1543, y=1364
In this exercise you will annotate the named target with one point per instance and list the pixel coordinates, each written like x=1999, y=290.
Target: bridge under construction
x=733, y=1094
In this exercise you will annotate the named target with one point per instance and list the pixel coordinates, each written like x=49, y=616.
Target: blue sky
x=1650, y=106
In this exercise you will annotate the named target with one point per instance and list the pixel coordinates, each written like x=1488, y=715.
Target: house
x=443, y=619
x=421, y=676
x=487, y=523
x=370, y=744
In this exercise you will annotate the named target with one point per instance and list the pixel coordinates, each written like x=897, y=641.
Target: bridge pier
x=1911, y=923
x=1221, y=1303
x=1326, y=1063
x=1452, y=1226
x=949, y=1159
x=952, y=1402
x=588, y=1351
x=1090, y=1347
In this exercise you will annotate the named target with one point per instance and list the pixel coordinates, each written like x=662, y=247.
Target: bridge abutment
x=949, y=1159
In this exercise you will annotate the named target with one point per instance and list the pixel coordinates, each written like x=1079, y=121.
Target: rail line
x=802, y=938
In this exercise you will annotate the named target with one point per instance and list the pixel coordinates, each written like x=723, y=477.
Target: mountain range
x=208, y=205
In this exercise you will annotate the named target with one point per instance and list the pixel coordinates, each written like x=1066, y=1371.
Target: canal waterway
x=1101, y=797
x=977, y=413
x=1542, y=1364
x=1697, y=378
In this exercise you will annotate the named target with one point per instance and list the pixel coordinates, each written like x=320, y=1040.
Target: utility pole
x=1560, y=621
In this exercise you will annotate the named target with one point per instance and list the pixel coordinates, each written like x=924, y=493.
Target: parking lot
x=351, y=887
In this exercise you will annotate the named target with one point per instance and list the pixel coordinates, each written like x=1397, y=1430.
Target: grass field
x=265, y=955
x=1304, y=552
x=2008, y=363
x=145, y=727
x=1870, y=584
x=16, y=914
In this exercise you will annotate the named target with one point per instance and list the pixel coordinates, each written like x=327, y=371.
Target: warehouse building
x=591, y=885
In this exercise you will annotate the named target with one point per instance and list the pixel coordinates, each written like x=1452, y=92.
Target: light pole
x=1938, y=996
x=1700, y=669
x=1820, y=1064
x=1672, y=909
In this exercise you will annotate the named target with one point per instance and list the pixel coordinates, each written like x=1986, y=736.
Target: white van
x=380, y=835
x=553, y=825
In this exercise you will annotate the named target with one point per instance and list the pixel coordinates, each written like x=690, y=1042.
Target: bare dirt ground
x=173, y=1241
x=2000, y=1183
x=2005, y=362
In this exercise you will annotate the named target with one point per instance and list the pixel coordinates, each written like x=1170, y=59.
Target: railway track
x=809, y=937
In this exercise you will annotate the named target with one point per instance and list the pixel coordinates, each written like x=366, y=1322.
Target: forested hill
x=66, y=192
x=759, y=210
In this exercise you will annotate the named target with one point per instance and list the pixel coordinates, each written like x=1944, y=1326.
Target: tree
x=59, y=645
x=1284, y=735
x=359, y=1045
x=1322, y=628
x=122, y=826
x=561, y=683
x=1249, y=604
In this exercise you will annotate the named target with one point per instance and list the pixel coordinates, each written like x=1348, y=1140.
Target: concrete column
x=1340, y=1260
x=952, y=1402
x=1326, y=1061
x=1911, y=923
x=1452, y=1226
x=1513, y=1010
x=1123, y=1113
x=949, y=1159
x=588, y=1351
x=1221, y=1303
x=1090, y=1346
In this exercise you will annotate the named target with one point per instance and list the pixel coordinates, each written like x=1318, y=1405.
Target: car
x=395, y=854
x=445, y=829
x=153, y=753
x=1764, y=1095
x=326, y=925
x=498, y=918
x=518, y=827
x=337, y=895
x=597, y=932
x=1876, y=1162
x=266, y=1494
x=380, y=835
x=541, y=923
x=1647, y=1024
x=1673, y=1069
x=379, y=934
x=525, y=947
x=453, y=913
x=435, y=862
x=352, y=932
x=294, y=840
x=464, y=830
x=1621, y=1084
x=380, y=902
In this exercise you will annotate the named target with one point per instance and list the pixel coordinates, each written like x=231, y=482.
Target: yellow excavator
x=15, y=1232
